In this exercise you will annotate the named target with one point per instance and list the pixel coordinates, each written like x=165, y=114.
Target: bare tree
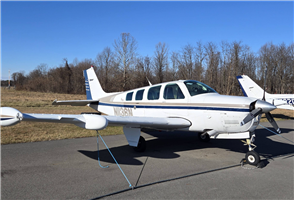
x=187, y=61
x=175, y=65
x=68, y=74
x=142, y=72
x=160, y=60
x=212, y=64
x=199, y=57
x=215, y=65
x=19, y=80
x=37, y=79
x=125, y=53
x=105, y=64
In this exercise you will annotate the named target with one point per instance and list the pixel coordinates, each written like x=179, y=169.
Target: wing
x=131, y=125
x=12, y=116
x=98, y=122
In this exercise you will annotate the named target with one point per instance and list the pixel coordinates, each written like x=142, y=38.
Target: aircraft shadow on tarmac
x=166, y=144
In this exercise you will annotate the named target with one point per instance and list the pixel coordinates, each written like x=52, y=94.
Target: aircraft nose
x=265, y=106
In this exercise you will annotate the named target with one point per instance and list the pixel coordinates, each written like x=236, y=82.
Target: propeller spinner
x=258, y=107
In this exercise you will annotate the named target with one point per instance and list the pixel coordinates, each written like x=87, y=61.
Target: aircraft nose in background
x=265, y=106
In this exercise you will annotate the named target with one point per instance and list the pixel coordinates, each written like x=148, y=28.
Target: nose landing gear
x=252, y=157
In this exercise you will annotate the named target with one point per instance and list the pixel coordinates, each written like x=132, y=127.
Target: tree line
x=121, y=68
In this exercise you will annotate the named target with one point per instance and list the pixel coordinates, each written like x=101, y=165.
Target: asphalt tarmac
x=176, y=165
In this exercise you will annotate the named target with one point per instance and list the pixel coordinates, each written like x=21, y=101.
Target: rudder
x=94, y=90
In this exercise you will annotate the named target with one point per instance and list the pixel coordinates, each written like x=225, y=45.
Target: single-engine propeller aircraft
x=186, y=105
x=251, y=89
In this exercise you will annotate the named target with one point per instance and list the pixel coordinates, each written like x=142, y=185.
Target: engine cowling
x=10, y=116
x=93, y=122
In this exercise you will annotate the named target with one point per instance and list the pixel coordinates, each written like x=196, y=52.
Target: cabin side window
x=139, y=95
x=129, y=96
x=153, y=93
x=173, y=91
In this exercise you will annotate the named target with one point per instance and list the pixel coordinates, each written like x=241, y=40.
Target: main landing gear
x=204, y=137
x=141, y=145
x=252, y=157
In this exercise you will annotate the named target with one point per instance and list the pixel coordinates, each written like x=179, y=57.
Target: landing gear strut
x=141, y=145
x=204, y=137
x=252, y=157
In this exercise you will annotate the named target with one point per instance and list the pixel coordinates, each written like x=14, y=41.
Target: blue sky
x=46, y=32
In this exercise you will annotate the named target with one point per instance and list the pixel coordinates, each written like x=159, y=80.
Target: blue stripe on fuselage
x=176, y=107
x=2, y=119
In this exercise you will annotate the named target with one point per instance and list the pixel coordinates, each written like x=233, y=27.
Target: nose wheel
x=252, y=157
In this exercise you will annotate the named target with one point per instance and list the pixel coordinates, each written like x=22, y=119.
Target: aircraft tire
x=204, y=138
x=141, y=145
x=252, y=158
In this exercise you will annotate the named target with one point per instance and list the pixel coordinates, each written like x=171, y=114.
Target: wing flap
x=87, y=121
x=149, y=122
x=59, y=118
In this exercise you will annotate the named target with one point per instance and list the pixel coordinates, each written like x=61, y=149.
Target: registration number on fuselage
x=289, y=101
x=122, y=111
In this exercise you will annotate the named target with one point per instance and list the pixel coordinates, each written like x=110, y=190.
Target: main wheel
x=141, y=145
x=204, y=137
x=252, y=158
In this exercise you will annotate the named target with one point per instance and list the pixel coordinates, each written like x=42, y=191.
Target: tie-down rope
x=98, y=135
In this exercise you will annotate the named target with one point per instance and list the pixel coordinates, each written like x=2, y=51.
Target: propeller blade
x=260, y=107
x=251, y=116
x=273, y=122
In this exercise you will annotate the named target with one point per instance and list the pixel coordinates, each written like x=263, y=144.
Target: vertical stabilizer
x=250, y=88
x=94, y=90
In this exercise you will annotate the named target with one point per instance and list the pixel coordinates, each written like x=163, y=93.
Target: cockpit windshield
x=195, y=88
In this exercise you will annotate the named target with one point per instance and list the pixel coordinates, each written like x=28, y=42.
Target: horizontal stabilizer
x=74, y=102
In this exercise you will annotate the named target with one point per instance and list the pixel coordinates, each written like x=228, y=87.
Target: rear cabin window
x=129, y=96
x=173, y=91
x=139, y=95
x=153, y=93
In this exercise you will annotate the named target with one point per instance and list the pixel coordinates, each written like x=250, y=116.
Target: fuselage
x=283, y=101
x=193, y=101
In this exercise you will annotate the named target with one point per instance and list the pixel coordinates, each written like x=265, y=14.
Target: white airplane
x=251, y=89
x=185, y=105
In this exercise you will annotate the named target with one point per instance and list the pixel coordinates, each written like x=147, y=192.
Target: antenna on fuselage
x=264, y=84
x=149, y=81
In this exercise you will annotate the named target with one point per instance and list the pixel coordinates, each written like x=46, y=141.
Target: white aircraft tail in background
x=251, y=89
